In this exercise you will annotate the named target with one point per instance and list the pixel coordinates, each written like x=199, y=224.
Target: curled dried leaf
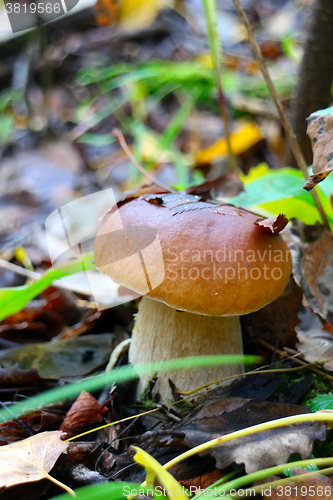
x=84, y=412
x=274, y=224
x=222, y=415
x=320, y=131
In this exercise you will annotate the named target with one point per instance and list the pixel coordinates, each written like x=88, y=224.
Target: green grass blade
x=119, y=375
x=14, y=299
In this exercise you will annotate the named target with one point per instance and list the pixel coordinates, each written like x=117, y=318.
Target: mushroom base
x=161, y=333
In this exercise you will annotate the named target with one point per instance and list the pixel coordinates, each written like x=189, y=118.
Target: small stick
x=22, y=271
x=302, y=165
x=120, y=136
x=298, y=361
x=253, y=372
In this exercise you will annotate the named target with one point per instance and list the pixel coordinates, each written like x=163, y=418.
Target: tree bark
x=313, y=90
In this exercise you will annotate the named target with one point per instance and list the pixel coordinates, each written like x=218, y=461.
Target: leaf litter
x=320, y=131
x=224, y=415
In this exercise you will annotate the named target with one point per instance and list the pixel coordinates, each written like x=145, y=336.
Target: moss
x=320, y=385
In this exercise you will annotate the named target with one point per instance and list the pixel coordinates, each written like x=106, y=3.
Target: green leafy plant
x=7, y=116
x=281, y=191
x=322, y=402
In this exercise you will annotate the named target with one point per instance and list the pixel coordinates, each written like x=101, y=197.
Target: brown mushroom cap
x=216, y=261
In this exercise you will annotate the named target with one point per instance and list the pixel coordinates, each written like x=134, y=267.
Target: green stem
x=216, y=53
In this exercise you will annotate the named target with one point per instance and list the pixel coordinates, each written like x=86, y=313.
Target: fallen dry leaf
x=316, y=345
x=274, y=224
x=15, y=377
x=62, y=358
x=31, y=459
x=223, y=415
x=320, y=131
x=241, y=140
x=84, y=412
x=203, y=481
x=87, y=453
x=313, y=270
x=36, y=421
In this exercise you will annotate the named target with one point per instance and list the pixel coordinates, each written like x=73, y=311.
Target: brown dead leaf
x=13, y=376
x=36, y=421
x=87, y=453
x=31, y=459
x=11, y=432
x=203, y=481
x=313, y=271
x=316, y=346
x=320, y=131
x=43, y=318
x=315, y=487
x=40, y=420
x=154, y=200
x=84, y=412
x=273, y=225
x=223, y=415
x=178, y=203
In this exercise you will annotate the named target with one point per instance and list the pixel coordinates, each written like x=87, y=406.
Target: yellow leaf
x=245, y=137
x=31, y=459
x=130, y=15
x=134, y=14
x=157, y=476
x=255, y=173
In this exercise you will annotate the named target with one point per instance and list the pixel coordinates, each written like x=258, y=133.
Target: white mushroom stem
x=162, y=333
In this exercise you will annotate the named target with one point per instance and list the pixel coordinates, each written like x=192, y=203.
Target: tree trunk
x=313, y=90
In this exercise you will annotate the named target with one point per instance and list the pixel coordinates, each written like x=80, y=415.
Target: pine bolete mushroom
x=199, y=266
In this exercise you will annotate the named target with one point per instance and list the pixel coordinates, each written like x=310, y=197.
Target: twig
x=120, y=136
x=21, y=271
x=239, y=375
x=215, y=49
x=299, y=361
x=300, y=160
